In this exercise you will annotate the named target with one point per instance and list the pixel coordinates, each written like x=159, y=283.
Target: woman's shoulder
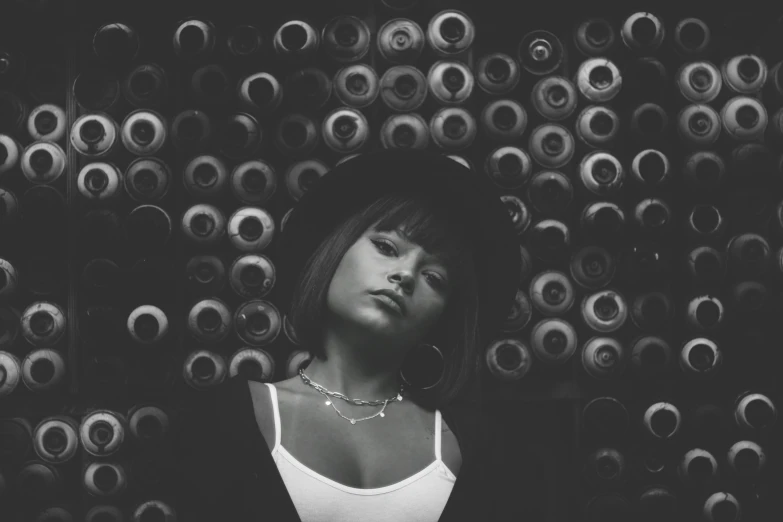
x=261, y=392
x=236, y=391
x=262, y=401
x=257, y=389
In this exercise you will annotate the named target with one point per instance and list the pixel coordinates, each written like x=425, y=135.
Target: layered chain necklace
x=326, y=393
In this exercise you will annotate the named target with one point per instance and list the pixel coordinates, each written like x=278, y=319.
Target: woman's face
x=386, y=260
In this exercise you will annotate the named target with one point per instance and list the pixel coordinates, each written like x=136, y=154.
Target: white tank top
x=418, y=498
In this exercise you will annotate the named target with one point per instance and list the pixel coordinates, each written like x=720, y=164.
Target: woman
x=389, y=257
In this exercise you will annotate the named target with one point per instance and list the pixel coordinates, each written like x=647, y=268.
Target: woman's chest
x=370, y=454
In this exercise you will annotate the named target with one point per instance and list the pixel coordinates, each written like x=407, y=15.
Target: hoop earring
x=423, y=367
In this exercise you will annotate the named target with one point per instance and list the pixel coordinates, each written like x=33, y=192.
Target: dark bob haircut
x=421, y=220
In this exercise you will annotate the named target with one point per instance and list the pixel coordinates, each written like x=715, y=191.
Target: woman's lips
x=388, y=302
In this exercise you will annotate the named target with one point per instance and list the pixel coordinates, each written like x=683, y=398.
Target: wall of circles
x=147, y=164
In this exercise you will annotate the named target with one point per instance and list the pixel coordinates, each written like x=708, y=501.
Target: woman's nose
x=404, y=277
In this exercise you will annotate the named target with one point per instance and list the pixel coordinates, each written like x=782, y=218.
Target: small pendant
x=353, y=421
x=328, y=403
x=383, y=414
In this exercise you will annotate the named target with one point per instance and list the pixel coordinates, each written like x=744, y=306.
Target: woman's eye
x=436, y=279
x=384, y=243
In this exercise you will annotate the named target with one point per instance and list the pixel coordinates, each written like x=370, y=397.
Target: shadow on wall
x=550, y=429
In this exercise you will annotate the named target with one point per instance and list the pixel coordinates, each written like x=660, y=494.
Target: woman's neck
x=340, y=376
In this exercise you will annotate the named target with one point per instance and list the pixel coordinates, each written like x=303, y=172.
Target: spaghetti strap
x=438, y=429
x=276, y=411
